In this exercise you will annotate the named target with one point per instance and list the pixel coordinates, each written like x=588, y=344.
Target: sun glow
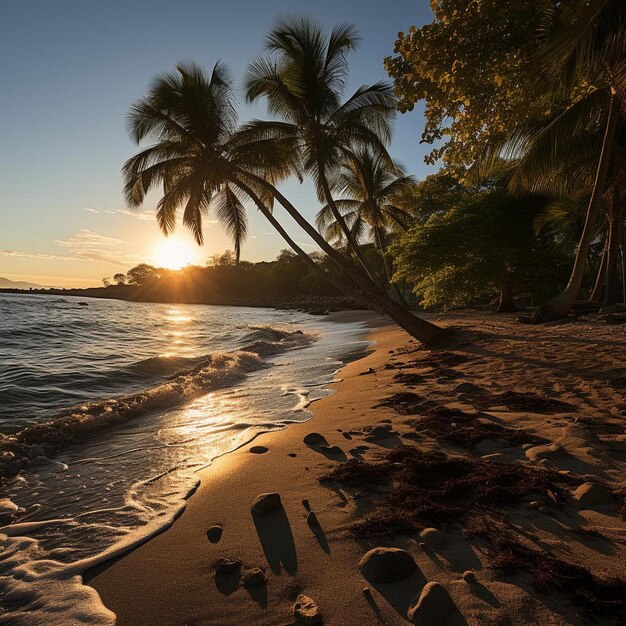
x=174, y=253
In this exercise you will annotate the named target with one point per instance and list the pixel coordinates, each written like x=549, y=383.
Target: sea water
x=135, y=398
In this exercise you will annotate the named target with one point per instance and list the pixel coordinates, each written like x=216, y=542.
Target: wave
x=21, y=449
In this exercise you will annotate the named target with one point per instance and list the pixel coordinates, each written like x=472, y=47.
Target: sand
x=308, y=544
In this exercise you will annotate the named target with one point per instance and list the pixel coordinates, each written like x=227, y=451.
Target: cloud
x=92, y=246
x=305, y=245
x=91, y=210
x=37, y=255
x=85, y=237
x=84, y=245
x=144, y=214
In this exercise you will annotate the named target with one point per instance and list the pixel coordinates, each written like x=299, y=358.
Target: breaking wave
x=217, y=370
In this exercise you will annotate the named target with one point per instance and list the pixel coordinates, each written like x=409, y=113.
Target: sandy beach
x=525, y=426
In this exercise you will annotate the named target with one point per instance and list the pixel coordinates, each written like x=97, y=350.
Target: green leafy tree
x=119, y=278
x=433, y=196
x=482, y=247
x=141, y=274
x=473, y=67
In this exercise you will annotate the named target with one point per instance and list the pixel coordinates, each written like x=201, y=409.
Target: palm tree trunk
x=623, y=256
x=597, y=293
x=269, y=216
x=560, y=305
x=421, y=329
x=380, y=245
x=610, y=286
x=351, y=241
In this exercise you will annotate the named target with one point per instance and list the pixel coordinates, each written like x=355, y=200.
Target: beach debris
x=469, y=576
x=433, y=606
x=545, y=452
x=258, y=449
x=253, y=577
x=305, y=611
x=265, y=503
x=224, y=566
x=214, y=534
x=592, y=494
x=313, y=439
x=534, y=505
x=387, y=565
x=467, y=388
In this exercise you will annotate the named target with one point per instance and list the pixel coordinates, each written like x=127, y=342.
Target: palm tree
x=303, y=79
x=587, y=48
x=371, y=188
x=201, y=162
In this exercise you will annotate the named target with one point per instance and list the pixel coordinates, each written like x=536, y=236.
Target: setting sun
x=174, y=253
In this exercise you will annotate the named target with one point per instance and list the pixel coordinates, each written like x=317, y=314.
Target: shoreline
x=169, y=579
x=315, y=305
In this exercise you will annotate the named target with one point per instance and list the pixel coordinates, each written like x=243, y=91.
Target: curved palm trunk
x=560, y=305
x=388, y=273
x=419, y=328
x=269, y=216
x=597, y=293
x=610, y=285
x=352, y=242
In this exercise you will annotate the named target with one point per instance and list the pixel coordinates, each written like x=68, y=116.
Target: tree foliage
x=472, y=65
x=483, y=246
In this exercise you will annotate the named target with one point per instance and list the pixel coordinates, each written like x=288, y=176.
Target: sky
x=69, y=70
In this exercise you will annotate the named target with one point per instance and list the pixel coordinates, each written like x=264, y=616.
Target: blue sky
x=69, y=70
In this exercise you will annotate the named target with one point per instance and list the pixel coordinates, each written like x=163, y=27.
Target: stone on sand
x=313, y=438
x=254, y=577
x=592, y=494
x=305, y=611
x=380, y=432
x=332, y=450
x=467, y=388
x=214, y=534
x=387, y=565
x=469, y=576
x=258, y=449
x=224, y=566
x=545, y=452
x=433, y=537
x=265, y=503
x=432, y=607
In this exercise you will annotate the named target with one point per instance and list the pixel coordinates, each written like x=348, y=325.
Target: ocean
x=136, y=398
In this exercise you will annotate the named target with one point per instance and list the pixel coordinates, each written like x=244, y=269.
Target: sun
x=173, y=253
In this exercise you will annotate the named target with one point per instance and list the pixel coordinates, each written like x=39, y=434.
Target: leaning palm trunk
x=349, y=235
x=417, y=327
x=560, y=305
x=269, y=216
x=391, y=286
x=597, y=293
x=610, y=286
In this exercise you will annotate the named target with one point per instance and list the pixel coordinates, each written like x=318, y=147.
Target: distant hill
x=5, y=283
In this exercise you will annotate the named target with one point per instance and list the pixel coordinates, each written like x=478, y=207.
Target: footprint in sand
x=214, y=534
